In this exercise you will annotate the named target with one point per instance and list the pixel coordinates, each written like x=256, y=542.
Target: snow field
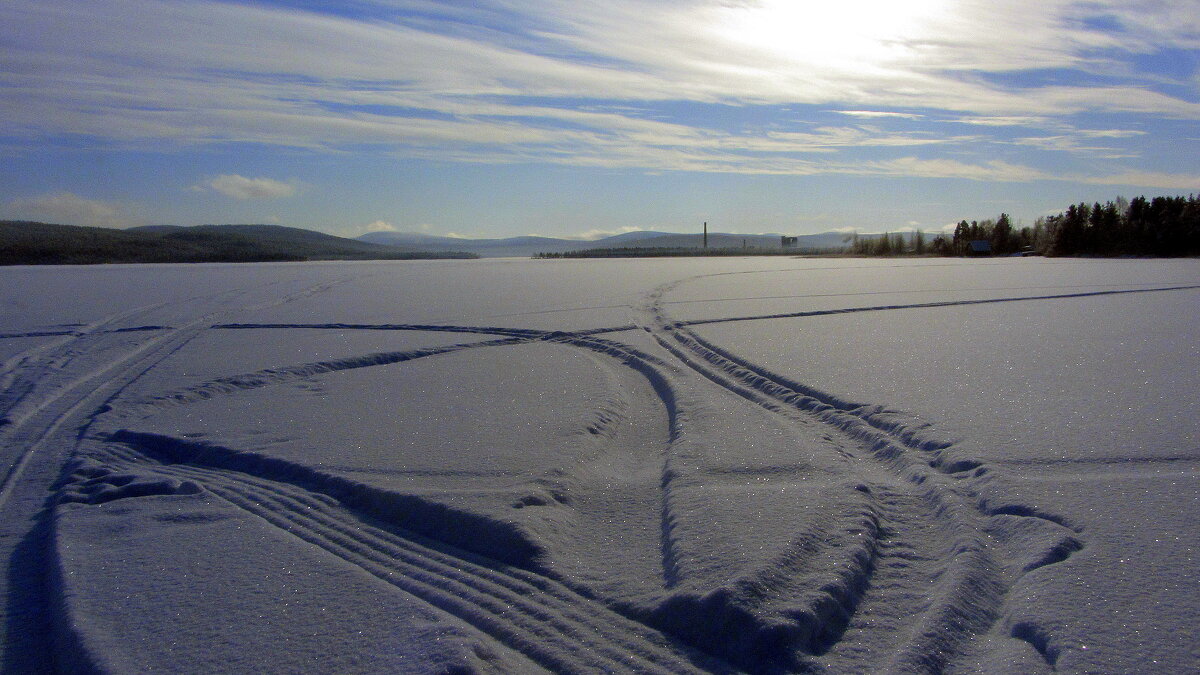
x=619, y=466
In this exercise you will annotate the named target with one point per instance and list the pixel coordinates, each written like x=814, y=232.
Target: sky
x=563, y=118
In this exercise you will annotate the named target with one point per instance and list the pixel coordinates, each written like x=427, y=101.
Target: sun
x=843, y=34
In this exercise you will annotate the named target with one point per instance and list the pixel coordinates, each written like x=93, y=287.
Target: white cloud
x=949, y=168
x=66, y=208
x=1058, y=143
x=769, y=50
x=594, y=234
x=879, y=114
x=1111, y=133
x=227, y=72
x=374, y=226
x=998, y=171
x=1004, y=120
x=240, y=187
x=380, y=226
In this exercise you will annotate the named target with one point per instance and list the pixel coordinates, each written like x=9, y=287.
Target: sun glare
x=848, y=34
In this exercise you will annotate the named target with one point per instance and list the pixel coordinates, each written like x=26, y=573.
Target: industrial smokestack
x=706, y=234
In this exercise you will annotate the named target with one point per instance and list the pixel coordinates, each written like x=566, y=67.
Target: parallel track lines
x=529, y=613
x=930, y=547
x=970, y=584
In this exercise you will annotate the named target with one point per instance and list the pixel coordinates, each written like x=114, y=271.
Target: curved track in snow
x=932, y=563
x=543, y=620
x=52, y=393
x=909, y=574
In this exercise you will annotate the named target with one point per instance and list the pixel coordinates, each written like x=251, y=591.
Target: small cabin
x=979, y=247
x=789, y=242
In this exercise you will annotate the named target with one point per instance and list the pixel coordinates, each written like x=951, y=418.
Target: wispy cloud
x=997, y=171
x=1003, y=120
x=1005, y=172
x=1147, y=179
x=592, y=84
x=1111, y=133
x=241, y=187
x=869, y=114
x=1073, y=144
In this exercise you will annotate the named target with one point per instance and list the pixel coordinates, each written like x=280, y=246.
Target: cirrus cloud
x=1019, y=91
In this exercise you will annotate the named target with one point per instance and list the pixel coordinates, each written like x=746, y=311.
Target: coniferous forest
x=1162, y=226
x=33, y=243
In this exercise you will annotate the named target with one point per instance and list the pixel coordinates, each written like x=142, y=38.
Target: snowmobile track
x=532, y=614
x=929, y=525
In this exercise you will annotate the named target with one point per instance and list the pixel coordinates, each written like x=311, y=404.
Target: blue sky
x=561, y=118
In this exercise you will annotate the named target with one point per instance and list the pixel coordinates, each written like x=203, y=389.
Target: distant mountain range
x=32, y=243
x=529, y=246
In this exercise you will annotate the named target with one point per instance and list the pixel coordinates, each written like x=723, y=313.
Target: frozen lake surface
x=685, y=465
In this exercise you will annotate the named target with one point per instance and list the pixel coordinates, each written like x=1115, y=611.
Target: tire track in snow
x=76, y=401
x=921, y=501
x=903, y=548
x=443, y=328
x=648, y=366
x=274, y=376
x=859, y=294
x=824, y=610
x=78, y=333
x=41, y=441
x=34, y=369
x=532, y=614
x=46, y=366
x=820, y=629
x=46, y=418
x=924, y=305
x=26, y=424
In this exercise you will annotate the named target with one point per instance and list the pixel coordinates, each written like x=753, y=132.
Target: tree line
x=678, y=252
x=1162, y=226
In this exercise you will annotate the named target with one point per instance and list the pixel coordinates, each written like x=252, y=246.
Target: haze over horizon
x=559, y=119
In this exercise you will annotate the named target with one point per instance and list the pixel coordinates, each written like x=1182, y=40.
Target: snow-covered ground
x=685, y=465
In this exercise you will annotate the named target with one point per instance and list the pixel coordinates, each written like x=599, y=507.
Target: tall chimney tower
x=706, y=234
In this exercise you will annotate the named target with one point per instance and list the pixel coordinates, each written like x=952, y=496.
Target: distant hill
x=628, y=238
x=512, y=247
x=529, y=246
x=32, y=243
x=157, y=229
